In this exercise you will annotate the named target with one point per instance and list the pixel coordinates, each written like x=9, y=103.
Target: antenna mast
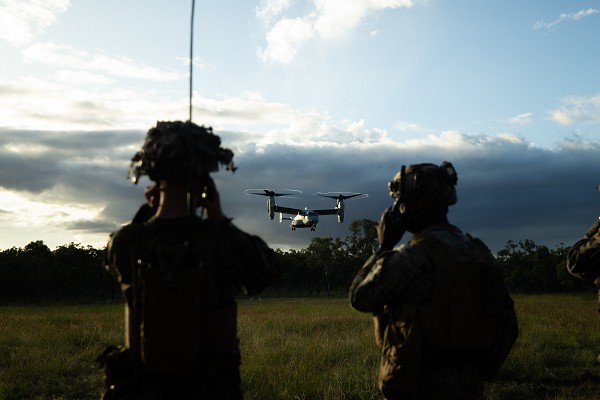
x=191, y=55
x=190, y=187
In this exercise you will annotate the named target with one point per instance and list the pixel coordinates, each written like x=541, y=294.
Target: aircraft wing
x=331, y=211
x=287, y=210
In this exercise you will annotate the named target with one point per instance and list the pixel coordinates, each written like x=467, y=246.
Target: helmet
x=423, y=187
x=173, y=150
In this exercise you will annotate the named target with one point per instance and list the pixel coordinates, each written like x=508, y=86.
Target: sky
x=313, y=95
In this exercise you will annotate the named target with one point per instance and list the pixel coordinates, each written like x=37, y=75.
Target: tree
x=362, y=238
x=529, y=267
x=69, y=273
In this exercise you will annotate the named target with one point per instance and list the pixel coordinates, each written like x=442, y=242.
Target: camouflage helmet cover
x=174, y=149
x=424, y=187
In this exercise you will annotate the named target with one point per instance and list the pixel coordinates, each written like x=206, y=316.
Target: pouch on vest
x=400, y=365
x=472, y=309
x=122, y=373
x=169, y=327
x=177, y=315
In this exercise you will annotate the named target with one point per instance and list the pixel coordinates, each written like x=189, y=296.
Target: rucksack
x=489, y=327
x=176, y=309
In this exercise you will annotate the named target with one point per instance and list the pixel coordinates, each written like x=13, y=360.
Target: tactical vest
x=458, y=317
x=471, y=310
x=175, y=319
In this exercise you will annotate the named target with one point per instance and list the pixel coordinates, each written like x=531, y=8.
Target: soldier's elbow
x=360, y=304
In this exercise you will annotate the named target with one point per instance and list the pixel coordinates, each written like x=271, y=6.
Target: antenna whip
x=191, y=55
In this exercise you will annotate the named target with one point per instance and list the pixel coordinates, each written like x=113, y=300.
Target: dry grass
x=299, y=349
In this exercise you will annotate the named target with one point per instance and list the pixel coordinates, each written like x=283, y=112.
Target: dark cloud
x=77, y=143
x=79, y=160
x=507, y=189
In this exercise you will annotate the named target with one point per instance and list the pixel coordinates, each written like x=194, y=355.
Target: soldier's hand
x=391, y=228
x=211, y=201
x=594, y=229
x=152, y=195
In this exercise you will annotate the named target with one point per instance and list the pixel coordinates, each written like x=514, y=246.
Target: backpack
x=398, y=335
x=176, y=314
x=488, y=326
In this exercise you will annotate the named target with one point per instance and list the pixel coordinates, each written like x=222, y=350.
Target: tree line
x=74, y=273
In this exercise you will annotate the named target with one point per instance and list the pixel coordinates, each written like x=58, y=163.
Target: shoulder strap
x=456, y=317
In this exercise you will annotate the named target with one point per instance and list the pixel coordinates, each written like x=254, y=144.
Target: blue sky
x=316, y=95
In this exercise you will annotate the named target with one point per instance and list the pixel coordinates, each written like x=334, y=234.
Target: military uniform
x=240, y=262
x=584, y=256
x=180, y=274
x=443, y=318
x=407, y=276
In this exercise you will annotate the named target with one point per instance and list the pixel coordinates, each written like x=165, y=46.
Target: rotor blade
x=353, y=195
x=271, y=192
x=341, y=195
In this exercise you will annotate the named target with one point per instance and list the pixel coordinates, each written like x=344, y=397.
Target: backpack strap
x=175, y=315
x=456, y=319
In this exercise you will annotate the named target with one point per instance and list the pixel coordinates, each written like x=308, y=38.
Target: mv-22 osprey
x=306, y=218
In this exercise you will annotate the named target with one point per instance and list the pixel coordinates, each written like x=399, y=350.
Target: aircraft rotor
x=341, y=195
x=273, y=192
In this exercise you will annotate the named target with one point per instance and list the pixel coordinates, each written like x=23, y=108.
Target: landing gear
x=312, y=228
x=293, y=228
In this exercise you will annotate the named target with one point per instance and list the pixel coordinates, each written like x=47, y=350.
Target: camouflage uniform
x=243, y=262
x=584, y=257
x=407, y=275
x=180, y=275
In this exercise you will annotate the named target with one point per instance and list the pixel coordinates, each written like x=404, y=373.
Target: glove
x=595, y=228
x=391, y=228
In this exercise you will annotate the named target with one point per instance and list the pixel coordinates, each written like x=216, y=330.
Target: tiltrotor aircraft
x=306, y=218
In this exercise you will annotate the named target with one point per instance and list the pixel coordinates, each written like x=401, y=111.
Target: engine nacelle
x=340, y=212
x=271, y=207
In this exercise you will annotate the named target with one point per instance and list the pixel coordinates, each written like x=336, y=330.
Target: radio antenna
x=190, y=186
x=191, y=56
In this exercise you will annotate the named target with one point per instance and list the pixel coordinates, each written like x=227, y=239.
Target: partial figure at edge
x=583, y=259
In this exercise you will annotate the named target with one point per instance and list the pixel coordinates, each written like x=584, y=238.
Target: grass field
x=299, y=349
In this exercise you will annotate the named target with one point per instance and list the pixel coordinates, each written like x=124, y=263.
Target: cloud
x=64, y=56
x=521, y=119
x=199, y=64
x=284, y=39
x=508, y=189
x=576, y=110
x=269, y=9
x=66, y=185
x=330, y=20
x=565, y=17
x=61, y=103
x=21, y=21
x=86, y=90
x=407, y=126
x=81, y=78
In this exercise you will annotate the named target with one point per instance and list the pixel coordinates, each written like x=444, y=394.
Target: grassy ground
x=299, y=349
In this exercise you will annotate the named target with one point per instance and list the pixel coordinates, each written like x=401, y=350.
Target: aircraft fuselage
x=307, y=219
